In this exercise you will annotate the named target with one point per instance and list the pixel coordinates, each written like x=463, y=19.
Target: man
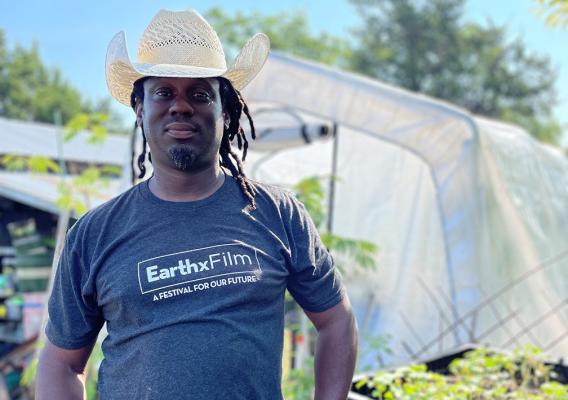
x=189, y=268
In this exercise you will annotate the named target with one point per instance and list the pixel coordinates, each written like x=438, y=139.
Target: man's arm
x=336, y=350
x=61, y=373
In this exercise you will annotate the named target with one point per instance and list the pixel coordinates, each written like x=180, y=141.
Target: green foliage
x=33, y=92
x=30, y=372
x=426, y=47
x=555, y=12
x=481, y=375
x=376, y=345
x=29, y=90
x=76, y=192
x=93, y=371
x=92, y=123
x=288, y=32
x=38, y=164
x=310, y=192
x=546, y=128
x=360, y=253
x=299, y=384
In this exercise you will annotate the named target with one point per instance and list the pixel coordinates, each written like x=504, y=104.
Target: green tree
x=31, y=91
x=425, y=47
x=288, y=32
x=555, y=12
x=3, y=67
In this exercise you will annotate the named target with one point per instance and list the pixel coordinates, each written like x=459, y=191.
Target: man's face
x=183, y=122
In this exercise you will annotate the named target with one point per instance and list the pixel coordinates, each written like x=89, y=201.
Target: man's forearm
x=58, y=381
x=336, y=353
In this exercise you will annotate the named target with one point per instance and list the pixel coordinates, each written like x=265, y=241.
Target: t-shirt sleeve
x=314, y=281
x=74, y=317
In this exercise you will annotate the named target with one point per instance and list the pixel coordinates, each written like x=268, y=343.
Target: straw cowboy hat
x=180, y=44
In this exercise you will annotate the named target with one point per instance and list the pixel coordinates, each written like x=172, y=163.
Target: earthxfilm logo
x=171, y=270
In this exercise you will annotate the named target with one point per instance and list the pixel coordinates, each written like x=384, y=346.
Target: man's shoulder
x=279, y=196
x=280, y=199
x=275, y=192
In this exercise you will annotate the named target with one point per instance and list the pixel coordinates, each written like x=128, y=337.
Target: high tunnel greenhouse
x=470, y=215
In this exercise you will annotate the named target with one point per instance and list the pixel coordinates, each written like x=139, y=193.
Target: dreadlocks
x=138, y=93
x=234, y=105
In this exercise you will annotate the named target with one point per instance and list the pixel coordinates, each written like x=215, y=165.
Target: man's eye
x=202, y=97
x=163, y=92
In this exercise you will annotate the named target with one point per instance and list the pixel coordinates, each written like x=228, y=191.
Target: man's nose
x=181, y=105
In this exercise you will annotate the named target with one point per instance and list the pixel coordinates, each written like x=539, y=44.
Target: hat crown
x=180, y=45
x=181, y=38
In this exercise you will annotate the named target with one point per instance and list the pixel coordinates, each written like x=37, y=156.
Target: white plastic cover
x=470, y=215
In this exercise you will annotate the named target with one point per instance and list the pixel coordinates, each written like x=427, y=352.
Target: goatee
x=183, y=157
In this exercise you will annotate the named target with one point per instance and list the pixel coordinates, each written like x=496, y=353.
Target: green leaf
x=41, y=164
x=79, y=123
x=111, y=170
x=98, y=134
x=14, y=163
x=30, y=372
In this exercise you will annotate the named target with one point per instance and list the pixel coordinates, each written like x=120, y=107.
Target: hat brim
x=121, y=73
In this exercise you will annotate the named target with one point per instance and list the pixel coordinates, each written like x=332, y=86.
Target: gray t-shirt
x=192, y=292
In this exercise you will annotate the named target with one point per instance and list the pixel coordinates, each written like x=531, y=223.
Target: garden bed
x=471, y=373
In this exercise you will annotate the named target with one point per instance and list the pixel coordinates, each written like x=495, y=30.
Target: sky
x=73, y=35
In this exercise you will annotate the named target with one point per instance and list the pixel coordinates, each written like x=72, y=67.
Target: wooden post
x=62, y=223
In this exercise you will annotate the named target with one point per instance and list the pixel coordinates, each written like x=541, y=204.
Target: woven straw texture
x=180, y=44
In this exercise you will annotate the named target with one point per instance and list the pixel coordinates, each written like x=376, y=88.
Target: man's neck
x=175, y=185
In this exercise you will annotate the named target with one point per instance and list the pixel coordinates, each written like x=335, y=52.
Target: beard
x=183, y=157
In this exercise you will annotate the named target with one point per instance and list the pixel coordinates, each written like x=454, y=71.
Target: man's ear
x=138, y=111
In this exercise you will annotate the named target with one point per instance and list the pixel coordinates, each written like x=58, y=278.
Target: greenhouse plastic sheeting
x=470, y=215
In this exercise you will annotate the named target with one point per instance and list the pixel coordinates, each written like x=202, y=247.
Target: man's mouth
x=181, y=130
